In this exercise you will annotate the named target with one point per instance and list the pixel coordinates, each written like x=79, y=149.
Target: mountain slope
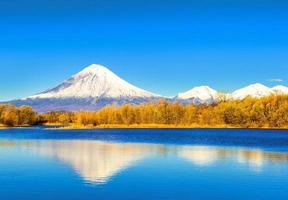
x=93, y=82
x=199, y=95
x=280, y=89
x=256, y=90
x=90, y=89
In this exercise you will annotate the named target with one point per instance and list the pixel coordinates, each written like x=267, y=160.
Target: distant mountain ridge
x=207, y=95
x=96, y=86
x=199, y=95
x=255, y=90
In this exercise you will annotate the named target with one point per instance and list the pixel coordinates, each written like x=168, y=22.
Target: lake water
x=143, y=164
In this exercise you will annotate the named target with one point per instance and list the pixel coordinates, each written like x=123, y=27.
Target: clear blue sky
x=165, y=46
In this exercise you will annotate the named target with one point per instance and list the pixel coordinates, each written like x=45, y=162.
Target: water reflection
x=254, y=158
x=200, y=155
x=97, y=161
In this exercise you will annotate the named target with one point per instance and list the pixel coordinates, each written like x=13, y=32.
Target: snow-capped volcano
x=95, y=81
x=199, y=95
x=256, y=90
x=90, y=89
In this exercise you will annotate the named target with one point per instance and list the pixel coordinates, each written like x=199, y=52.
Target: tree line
x=267, y=112
x=11, y=116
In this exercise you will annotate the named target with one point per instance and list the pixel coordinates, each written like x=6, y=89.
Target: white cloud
x=275, y=80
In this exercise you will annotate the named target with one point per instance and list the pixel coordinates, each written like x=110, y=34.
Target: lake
x=143, y=164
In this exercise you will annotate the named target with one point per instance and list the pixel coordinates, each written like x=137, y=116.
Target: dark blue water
x=143, y=164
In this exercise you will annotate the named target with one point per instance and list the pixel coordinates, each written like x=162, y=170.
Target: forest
x=266, y=112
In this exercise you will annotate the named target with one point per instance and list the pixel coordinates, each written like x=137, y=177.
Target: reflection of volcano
x=95, y=161
x=199, y=155
x=98, y=161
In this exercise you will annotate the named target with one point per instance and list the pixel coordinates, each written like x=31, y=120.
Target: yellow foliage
x=265, y=112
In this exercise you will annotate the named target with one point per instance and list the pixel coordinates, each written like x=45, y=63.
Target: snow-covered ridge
x=95, y=81
x=207, y=95
x=280, y=89
x=258, y=90
x=199, y=95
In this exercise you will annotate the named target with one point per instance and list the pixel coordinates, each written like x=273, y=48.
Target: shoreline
x=140, y=126
x=159, y=127
x=3, y=127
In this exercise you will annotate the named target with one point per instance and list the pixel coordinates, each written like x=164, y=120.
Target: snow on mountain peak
x=280, y=89
x=95, y=81
x=94, y=69
x=256, y=90
x=200, y=94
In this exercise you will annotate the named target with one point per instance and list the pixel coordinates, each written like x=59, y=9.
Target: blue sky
x=163, y=46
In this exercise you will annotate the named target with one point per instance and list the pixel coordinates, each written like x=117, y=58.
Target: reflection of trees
x=5, y=143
